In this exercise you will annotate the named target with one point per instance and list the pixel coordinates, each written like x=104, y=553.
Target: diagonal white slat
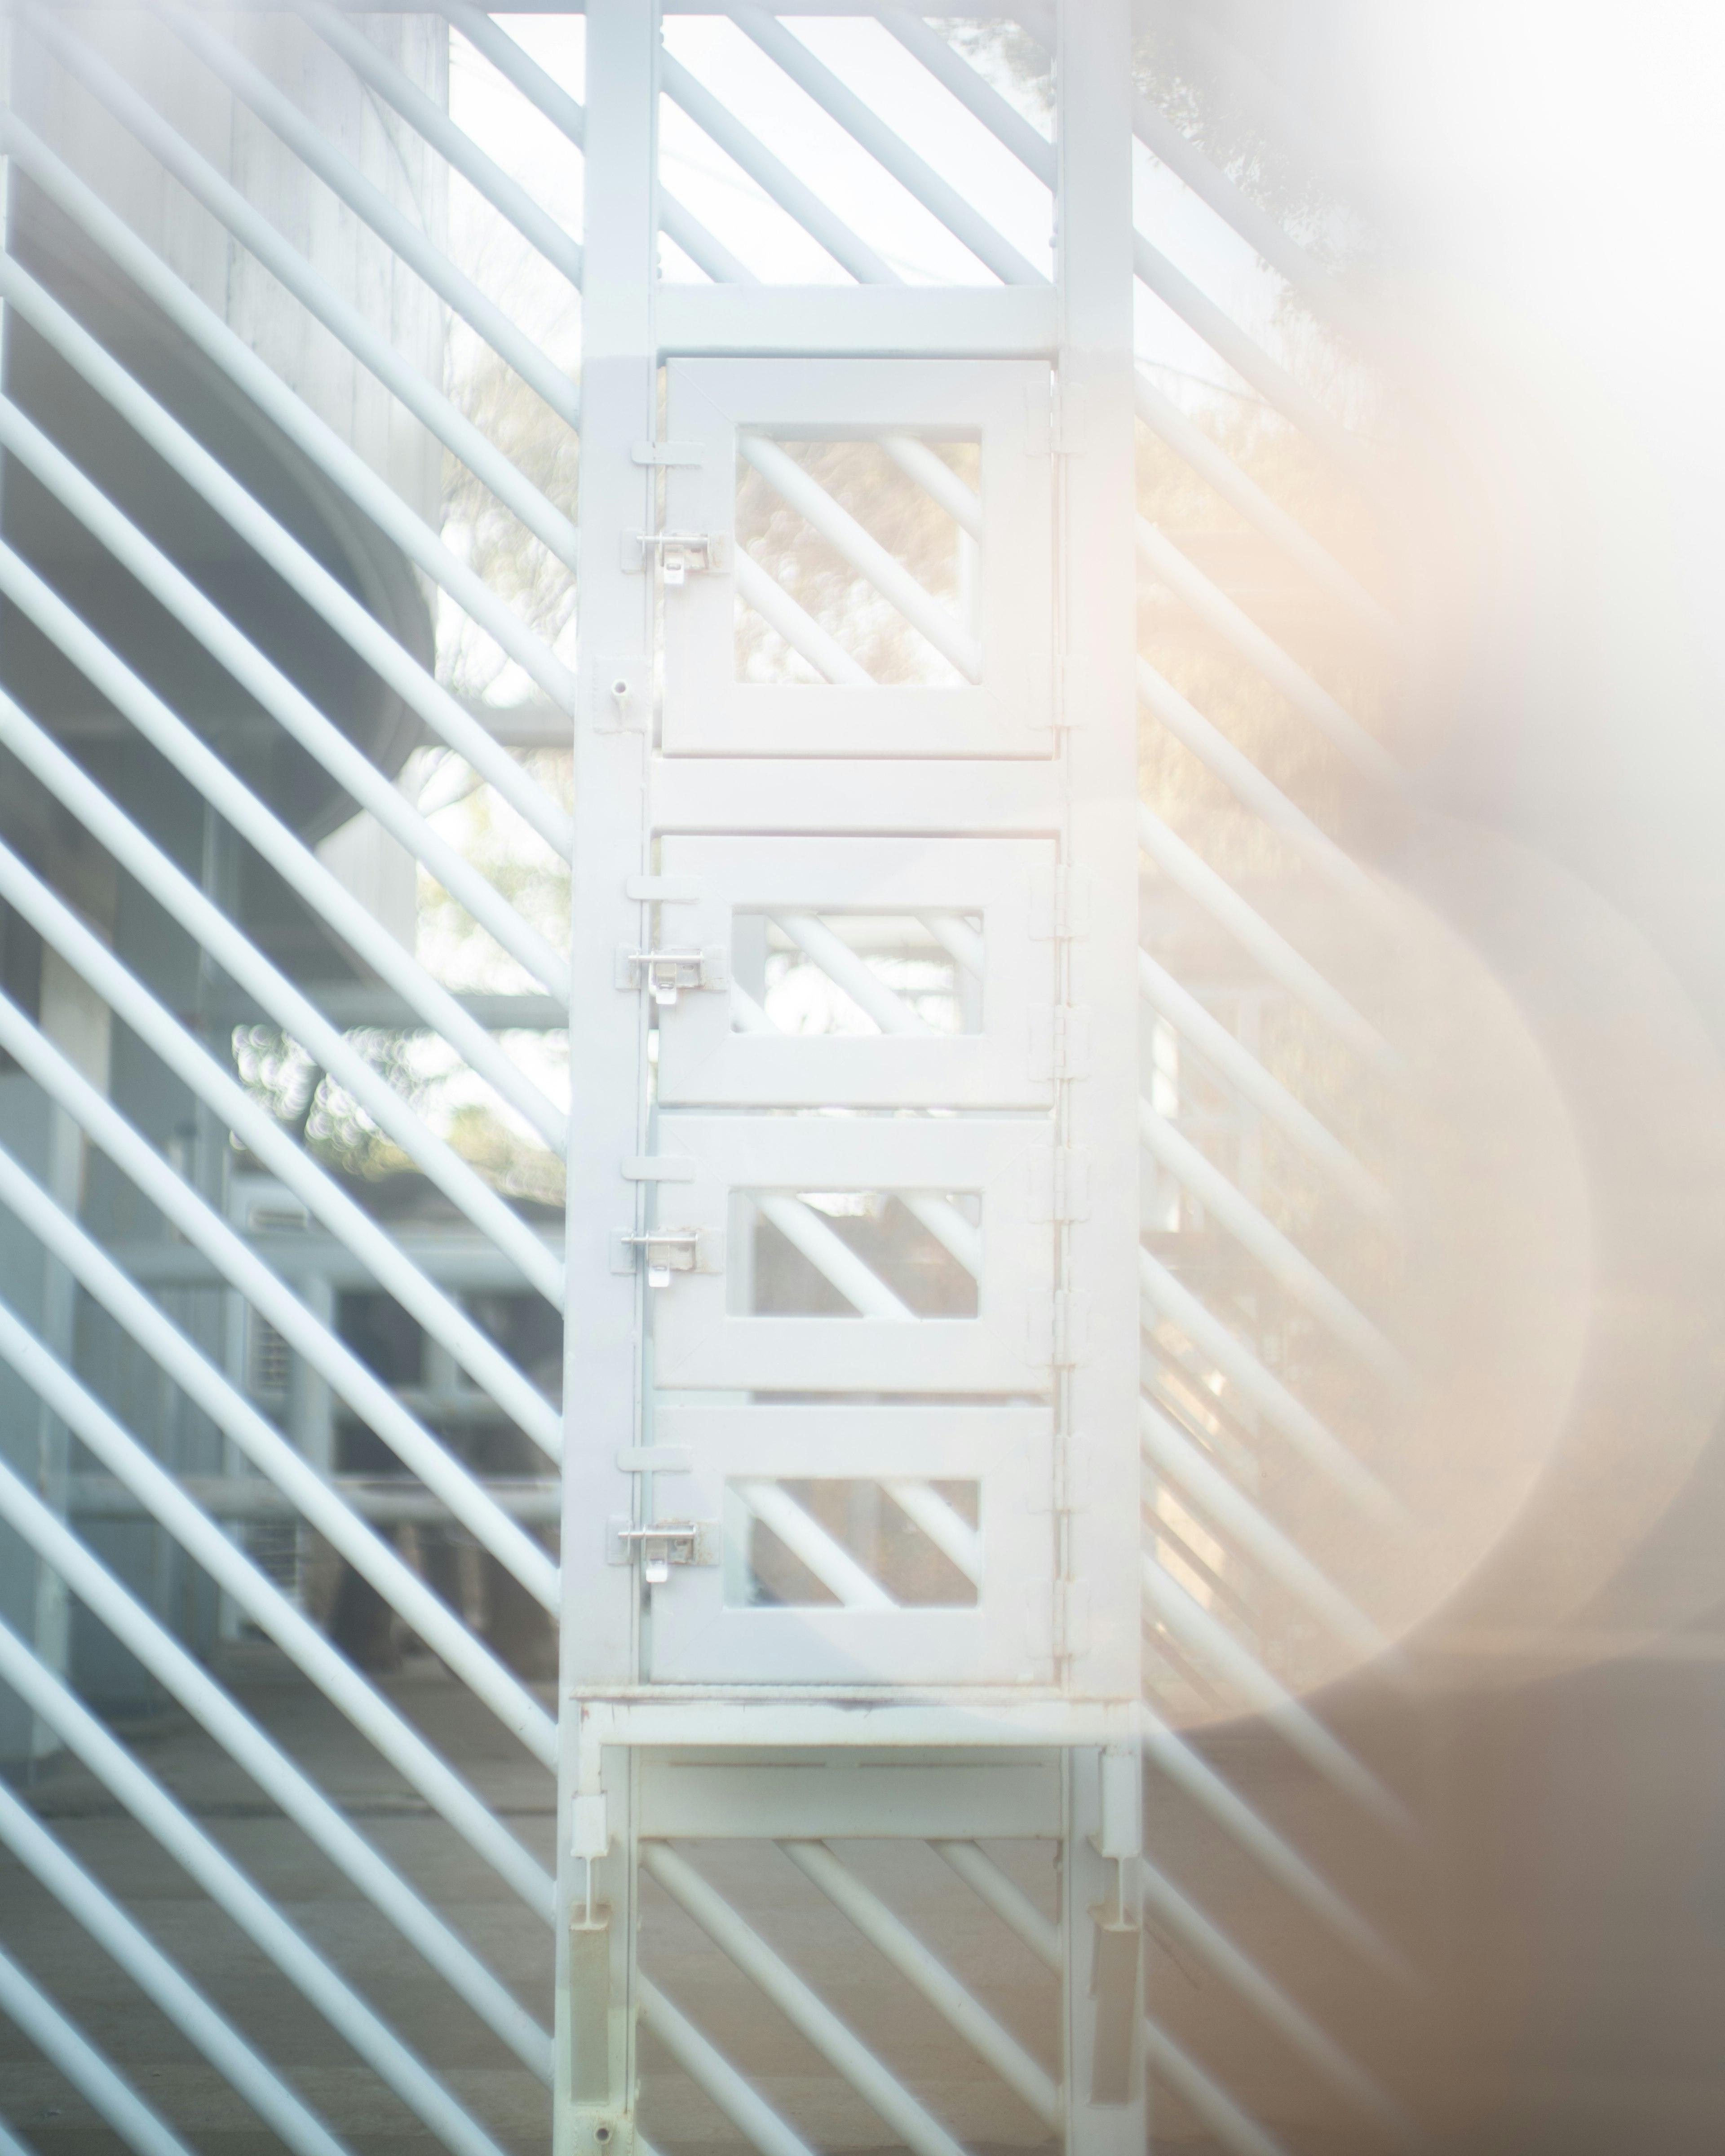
x=1170, y=1753
x=473, y=1350
x=1202, y=1635
x=1234, y=2127
x=1021, y=1915
x=1165, y=562
x=812, y=2019
x=893, y=1939
x=1008, y=1901
x=794, y=196
x=945, y=1527
x=1273, y=951
x=805, y=636
x=1257, y=792
x=713, y=2073
x=1038, y=156
x=297, y=716
x=163, y=1496
x=937, y=481
x=365, y=634
x=864, y=553
x=1172, y=1455
x=1280, y=1258
x=408, y=240
x=380, y=73
x=849, y=1583
x=804, y=1229
x=70, y=2052
x=317, y=1819
x=1320, y=2049
x=518, y=67
x=248, y=1909
x=865, y=126
x=1240, y=1069
x=262, y=1443
x=351, y=1380
x=329, y=453
x=1170, y=1299
x=250, y=970
x=430, y=406
x=1164, y=417
x=162, y=1982
x=957, y=939
x=977, y=95
x=1276, y=246
x=1280, y=389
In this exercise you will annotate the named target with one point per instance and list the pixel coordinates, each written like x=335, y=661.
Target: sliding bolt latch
x=677, y=552
x=664, y=974
x=665, y=1544
x=668, y=1251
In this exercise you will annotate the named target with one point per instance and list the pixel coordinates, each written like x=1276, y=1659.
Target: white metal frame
x=1009, y=797
x=722, y=409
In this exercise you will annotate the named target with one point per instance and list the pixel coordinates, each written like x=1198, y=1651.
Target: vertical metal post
x=1104, y=2078
x=605, y=1311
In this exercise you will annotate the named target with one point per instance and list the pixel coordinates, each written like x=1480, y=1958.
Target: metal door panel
x=704, y=1056
x=1002, y=404
x=699, y=1636
x=700, y=1340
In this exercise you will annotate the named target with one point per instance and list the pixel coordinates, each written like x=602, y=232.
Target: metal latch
x=665, y=1544
x=665, y=973
x=668, y=1251
x=678, y=552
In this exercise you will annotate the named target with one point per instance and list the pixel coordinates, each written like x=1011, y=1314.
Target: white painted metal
x=95, y=2078
x=990, y=813
x=724, y=405
x=1006, y=1638
x=705, y=1057
x=273, y=397
x=275, y=1773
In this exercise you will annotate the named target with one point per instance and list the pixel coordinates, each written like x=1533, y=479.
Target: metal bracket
x=619, y=695
x=668, y=453
x=677, y=552
x=1060, y=1184
x=1060, y=1042
x=668, y=1251
x=666, y=973
x=1070, y=1330
x=662, y=891
x=1059, y=905
x=663, y=1544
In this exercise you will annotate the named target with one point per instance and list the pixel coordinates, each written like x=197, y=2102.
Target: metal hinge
x=663, y=1544
x=1060, y=1184
x=678, y=552
x=668, y=1251
x=664, y=974
x=1071, y=1329
x=1054, y=418
x=1060, y=904
x=1060, y=1042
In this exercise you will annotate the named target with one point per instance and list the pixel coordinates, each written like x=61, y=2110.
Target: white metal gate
x=953, y=1403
